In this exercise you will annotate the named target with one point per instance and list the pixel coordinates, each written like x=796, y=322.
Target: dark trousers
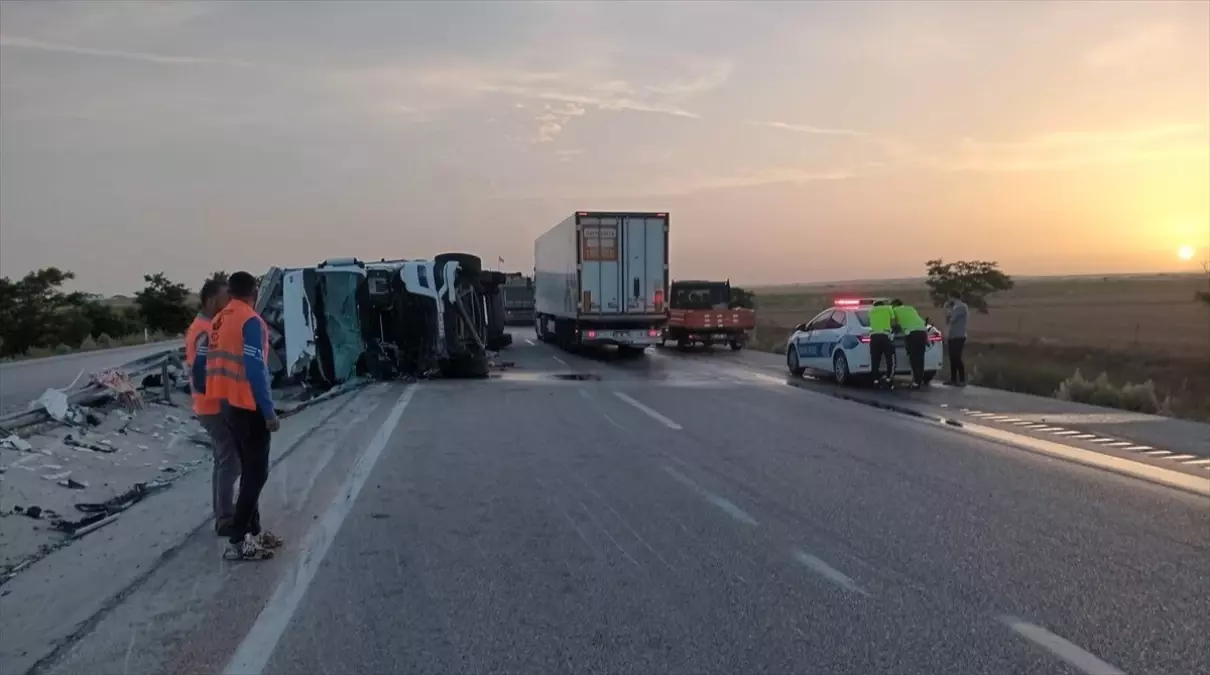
x=915, y=343
x=251, y=438
x=957, y=365
x=882, y=348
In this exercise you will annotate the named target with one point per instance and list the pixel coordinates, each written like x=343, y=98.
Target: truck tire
x=469, y=367
x=470, y=265
x=736, y=345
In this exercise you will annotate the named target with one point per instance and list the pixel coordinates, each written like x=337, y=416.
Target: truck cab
x=702, y=312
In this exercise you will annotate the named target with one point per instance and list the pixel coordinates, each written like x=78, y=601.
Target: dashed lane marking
x=560, y=360
x=648, y=411
x=530, y=342
x=828, y=572
x=1178, y=458
x=1157, y=453
x=1102, y=441
x=1198, y=462
x=723, y=504
x=1065, y=432
x=1085, y=436
x=1073, y=655
x=1137, y=448
x=1120, y=444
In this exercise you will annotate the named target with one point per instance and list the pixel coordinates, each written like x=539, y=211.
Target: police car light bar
x=847, y=303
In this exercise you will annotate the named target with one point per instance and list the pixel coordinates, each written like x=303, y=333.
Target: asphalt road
x=24, y=381
x=680, y=517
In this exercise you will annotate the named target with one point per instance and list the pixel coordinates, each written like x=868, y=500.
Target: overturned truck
x=391, y=318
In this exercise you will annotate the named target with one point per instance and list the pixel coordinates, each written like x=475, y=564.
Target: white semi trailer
x=601, y=278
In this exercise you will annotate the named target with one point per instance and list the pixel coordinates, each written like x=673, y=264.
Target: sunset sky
x=789, y=141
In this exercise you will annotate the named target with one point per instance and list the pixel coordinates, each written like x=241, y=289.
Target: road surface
x=675, y=516
x=24, y=381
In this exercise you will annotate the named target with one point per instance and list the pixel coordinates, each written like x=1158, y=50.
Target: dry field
x=1133, y=328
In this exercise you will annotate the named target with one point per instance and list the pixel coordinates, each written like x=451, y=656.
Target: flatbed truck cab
x=701, y=312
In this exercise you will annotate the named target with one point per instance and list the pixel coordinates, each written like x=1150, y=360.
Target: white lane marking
x=1022, y=423
x=1059, y=647
x=1065, y=433
x=650, y=413
x=1120, y=444
x=560, y=360
x=1084, y=436
x=828, y=572
x=997, y=418
x=1197, y=462
x=1007, y=420
x=1139, y=447
x=729, y=508
x=530, y=342
x=1177, y=458
x=1158, y=453
x=1103, y=440
x=258, y=645
x=1046, y=428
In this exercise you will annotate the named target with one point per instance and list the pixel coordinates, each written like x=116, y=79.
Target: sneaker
x=248, y=549
x=269, y=540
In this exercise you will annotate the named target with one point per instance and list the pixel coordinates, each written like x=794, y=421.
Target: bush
x=1134, y=397
x=62, y=349
x=104, y=341
x=88, y=343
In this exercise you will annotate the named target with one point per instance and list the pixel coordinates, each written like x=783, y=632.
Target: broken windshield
x=342, y=322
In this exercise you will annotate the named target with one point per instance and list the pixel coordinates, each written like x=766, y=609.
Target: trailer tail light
x=653, y=333
x=934, y=338
x=591, y=334
x=659, y=301
x=864, y=339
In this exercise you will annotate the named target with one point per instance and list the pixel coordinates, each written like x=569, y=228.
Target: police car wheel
x=792, y=362
x=840, y=368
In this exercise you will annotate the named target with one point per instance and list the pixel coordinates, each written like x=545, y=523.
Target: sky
x=788, y=141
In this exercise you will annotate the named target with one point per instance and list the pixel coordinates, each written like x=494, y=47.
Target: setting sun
x=1185, y=252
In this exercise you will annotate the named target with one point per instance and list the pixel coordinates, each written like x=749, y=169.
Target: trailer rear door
x=644, y=247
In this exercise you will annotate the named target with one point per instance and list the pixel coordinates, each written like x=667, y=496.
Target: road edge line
x=1153, y=474
x=1187, y=483
x=256, y=649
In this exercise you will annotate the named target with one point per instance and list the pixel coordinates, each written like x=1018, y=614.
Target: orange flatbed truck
x=700, y=312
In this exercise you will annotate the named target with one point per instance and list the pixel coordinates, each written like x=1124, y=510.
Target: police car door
x=815, y=342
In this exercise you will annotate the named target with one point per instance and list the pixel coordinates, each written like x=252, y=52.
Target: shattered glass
x=342, y=322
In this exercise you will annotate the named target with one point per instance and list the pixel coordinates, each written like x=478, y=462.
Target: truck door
x=643, y=251
x=600, y=269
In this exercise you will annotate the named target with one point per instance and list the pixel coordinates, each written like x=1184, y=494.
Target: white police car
x=837, y=343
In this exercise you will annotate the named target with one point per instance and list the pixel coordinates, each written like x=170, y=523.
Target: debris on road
x=15, y=442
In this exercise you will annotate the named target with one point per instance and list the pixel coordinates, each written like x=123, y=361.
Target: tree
x=163, y=304
x=219, y=276
x=742, y=297
x=31, y=309
x=974, y=280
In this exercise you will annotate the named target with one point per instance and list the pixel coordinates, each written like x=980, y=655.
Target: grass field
x=1134, y=328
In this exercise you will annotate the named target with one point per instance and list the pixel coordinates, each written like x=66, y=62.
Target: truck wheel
x=467, y=367
x=736, y=345
x=470, y=265
x=792, y=363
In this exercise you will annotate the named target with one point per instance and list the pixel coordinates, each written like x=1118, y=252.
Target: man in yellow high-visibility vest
x=915, y=338
x=881, y=346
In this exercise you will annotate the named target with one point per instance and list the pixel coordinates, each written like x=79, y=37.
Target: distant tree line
x=37, y=316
